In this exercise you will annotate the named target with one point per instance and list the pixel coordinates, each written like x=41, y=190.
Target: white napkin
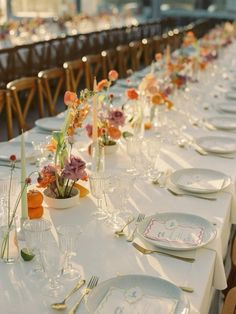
x=134, y=301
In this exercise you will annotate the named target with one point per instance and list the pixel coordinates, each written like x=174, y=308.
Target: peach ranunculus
x=103, y=84
x=131, y=93
x=113, y=75
x=114, y=132
x=148, y=81
x=70, y=98
x=52, y=146
x=158, y=56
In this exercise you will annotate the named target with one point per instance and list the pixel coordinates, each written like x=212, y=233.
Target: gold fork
x=91, y=284
x=138, y=220
x=121, y=231
x=147, y=251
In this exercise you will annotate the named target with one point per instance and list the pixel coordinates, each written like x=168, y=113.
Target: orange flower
x=52, y=146
x=131, y=93
x=70, y=98
x=169, y=104
x=102, y=84
x=157, y=99
x=113, y=75
x=70, y=131
x=158, y=56
x=114, y=132
x=45, y=180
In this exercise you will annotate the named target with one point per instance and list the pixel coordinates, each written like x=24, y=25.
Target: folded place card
x=200, y=182
x=171, y=231
x=130, y=301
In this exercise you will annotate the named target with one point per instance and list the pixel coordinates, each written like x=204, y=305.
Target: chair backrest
x=124, y=59
x=136, y=50
x=229, y=306
x=23, y=60
x=75, y=75
x=93, y=68
x=148, y=51
x=23, y=93
x=110, y=60
x=51, y=86
x=7, y=71
x=6, y=114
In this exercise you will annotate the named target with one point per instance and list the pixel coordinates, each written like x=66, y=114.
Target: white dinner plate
x=127, y=83
x=217, y=144
x=176, y=231
x=231, y=95
x=224, y=123
x=14, y=148
x=229, y=107
x=198, y=180
x=50, y=123
x=150, y=286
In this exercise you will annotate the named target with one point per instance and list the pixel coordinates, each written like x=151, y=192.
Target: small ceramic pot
x=110, y=149
x=61, y=203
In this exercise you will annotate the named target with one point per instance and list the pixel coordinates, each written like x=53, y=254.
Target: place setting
x=50, y=124
x=226, y=123
x=137, y=294
x=197, y=182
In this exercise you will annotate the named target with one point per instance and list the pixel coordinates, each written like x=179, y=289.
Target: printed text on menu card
x=173, y=232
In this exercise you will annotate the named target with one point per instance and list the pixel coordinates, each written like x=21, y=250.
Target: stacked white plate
x=50, y=123
x=217, y=144
x=223, y=123
x=229, y=107
x=131, y=292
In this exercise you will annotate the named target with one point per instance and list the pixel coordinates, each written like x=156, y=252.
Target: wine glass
x=133, y=147
x=52, y=261
x=99, y=183
x=36, y=231
x=151, y=148
x=68, y=243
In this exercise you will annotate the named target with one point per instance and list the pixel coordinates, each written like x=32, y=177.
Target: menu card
x=199, y=181
x=121, y=301
x=173, y=232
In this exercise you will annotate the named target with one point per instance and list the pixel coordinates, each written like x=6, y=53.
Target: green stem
x=72, y=185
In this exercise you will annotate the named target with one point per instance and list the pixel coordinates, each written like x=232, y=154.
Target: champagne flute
x=68, y=242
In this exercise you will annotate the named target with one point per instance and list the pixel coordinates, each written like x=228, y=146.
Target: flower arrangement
x=5, y=252
x=108, y=127
x=60, y=176
x=103, y=88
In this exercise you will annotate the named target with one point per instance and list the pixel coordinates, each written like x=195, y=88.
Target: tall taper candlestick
x=95, y=113
x=24, y=207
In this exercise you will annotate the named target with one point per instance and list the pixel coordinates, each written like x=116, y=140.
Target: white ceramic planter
x=110, y=149
x=61, y=203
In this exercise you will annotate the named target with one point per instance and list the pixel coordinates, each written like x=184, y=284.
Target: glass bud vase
x=98, y=157
x=9, y=249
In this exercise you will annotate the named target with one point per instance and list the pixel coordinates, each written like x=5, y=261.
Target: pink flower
x=89, y=130
x=74, y=169
x=116, y=117
x=113, y=75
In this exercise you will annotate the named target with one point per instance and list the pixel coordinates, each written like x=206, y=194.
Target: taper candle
x=24, y=207
x=95, y=117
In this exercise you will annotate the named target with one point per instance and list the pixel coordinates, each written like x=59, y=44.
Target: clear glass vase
x=9, y=249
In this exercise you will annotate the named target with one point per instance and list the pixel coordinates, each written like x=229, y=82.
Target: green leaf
x=127, y=134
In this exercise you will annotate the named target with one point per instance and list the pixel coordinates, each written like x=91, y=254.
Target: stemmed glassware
x=52, y=262
x=151, y=148
x=68, y=242
x=36, y=232
x=133, y=147
x=99, y=183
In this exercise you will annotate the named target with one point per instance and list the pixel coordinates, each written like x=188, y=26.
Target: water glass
x=68, y=242
x=151, y=148
x=36, y=232
x=99, y=185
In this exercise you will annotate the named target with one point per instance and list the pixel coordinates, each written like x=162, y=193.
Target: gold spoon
x=120, y=232
x=62, y=305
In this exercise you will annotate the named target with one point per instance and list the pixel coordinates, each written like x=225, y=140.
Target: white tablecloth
x=103, y=254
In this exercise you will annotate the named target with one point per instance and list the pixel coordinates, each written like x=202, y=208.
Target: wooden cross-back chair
x=229, y=306
x=110, y=60
x=93, y=65
x=148, y=51
x=7, y=72
x=51, y=85
x=124, y=59
x=231, y=280
x=23, y=60
x=160, y=43
x=75, y=75
x=6, y=113
x=25, y=98
x=136, y=51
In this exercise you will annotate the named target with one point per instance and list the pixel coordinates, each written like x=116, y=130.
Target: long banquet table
x=102, y=254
